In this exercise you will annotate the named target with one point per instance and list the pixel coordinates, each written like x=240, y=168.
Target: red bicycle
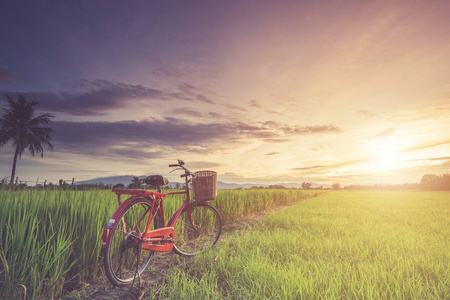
x=137, y=229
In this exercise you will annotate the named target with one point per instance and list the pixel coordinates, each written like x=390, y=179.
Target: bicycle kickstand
x=138, y=258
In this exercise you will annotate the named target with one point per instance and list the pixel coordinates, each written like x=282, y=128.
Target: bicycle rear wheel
x=121, y=256
x=197, y=229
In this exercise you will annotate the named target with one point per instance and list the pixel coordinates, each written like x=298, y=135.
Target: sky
x=355, y=92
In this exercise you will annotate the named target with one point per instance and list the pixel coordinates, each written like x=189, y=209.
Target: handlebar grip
x=186, y=175
x=171, y=166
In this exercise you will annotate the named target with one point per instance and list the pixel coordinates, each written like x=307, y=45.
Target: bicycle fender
x=106, y=236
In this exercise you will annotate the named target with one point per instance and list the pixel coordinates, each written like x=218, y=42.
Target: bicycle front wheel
x=197, y=229
x=124, y=256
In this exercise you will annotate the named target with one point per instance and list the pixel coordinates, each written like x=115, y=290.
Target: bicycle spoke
x=125, y=255
x=198, y=229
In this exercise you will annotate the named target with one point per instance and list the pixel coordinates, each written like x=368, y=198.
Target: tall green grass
x=235, y=204
x=51, y=239
x=340, y=245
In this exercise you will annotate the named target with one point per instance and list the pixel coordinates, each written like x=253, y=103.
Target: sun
x=388, y=159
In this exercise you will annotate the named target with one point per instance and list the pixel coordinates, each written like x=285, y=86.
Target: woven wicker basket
x=204, y=185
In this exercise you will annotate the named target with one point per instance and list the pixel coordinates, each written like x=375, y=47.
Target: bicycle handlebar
x=180, y=165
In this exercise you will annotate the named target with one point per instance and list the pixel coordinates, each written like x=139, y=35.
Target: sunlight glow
x=388, y=159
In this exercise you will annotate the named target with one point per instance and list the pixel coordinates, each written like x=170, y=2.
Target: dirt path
x=154, y=275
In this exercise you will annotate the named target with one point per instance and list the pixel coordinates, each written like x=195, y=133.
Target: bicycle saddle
x=156, y=180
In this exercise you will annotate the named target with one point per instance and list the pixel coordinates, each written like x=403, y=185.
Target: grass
x=51, y=239
x=340, y=245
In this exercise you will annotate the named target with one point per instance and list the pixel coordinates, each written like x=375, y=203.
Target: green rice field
x=51, y=239
x=340, y=245
x=332, y=245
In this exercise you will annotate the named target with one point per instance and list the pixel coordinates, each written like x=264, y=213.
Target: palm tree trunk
x=13, y=173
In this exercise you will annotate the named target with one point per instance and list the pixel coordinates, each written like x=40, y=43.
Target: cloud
x=254, y=103
x=320, y=169
x=194, y=92
x=203, y=165
x=187, y=88
x=300, y=130
x=367, y=113
x=291, y=103
x=273, y=153
x=94, y=98
x=7, y=76
x=215, y=115
x=428, y=145
x=350, y=162
x=316, y=129
x=188, y=112
x=130, y=152
x=272, y=124
x=385, y=133
x=431, y=159
x=274, y=112
x=276, y=141
x=169, y=74
x=116, y=138
x=204, y=99
x=169, y=71
x=307, y=168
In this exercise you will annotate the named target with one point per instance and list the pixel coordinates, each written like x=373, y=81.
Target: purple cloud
x=94, y=98
x=169, y=74
x=111, y=138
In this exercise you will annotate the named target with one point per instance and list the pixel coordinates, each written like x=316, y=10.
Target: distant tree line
x=390, y=187
x=62, y=185
x=136, y=183
x=305, y=186
x=430, y=182
x=433, y=182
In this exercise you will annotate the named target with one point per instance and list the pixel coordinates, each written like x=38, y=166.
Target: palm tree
x=18, y=125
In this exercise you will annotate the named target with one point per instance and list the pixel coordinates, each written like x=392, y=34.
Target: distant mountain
x=126, y=180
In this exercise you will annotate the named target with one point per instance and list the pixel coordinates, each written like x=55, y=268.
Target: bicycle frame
x=159, y=235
